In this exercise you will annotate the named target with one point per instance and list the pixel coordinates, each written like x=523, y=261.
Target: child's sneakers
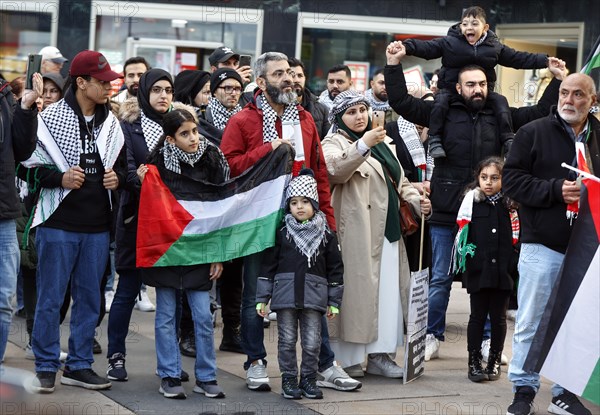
x=308, y=385
x=289, y=387
x=436, y=150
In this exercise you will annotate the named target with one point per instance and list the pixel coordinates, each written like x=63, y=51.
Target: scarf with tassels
x=307, y=235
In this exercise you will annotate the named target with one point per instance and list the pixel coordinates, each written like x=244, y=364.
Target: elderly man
x=472, y=130
x=52, y=60
x=273, y=119
x=339, y=79
x=533, y=176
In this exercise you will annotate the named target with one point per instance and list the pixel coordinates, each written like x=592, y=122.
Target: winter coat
x=456, y=53
x=193, y=277
x=243, y=146
x=288, y=281
x=533, y=176
x=18, y=136
x=319, y=112
x=360, y=202
x=495, y=257
x=468, y=139
x=137, y=153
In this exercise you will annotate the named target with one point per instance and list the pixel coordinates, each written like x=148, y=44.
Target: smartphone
x=34, y=64
x=378, y=119
x=245, y=60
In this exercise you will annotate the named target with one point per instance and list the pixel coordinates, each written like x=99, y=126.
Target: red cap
x=94, y=64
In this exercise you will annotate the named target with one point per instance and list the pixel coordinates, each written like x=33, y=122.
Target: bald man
x=533, y=176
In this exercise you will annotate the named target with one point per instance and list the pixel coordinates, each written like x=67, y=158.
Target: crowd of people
x=486, y=177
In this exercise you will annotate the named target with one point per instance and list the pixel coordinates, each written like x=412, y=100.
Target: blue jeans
x=9, y=265
x=110, y=283
x=310, y=340
x=64, y=255
x=167, y=347
x=119, y=317
x=442, y=239
x=538, y=271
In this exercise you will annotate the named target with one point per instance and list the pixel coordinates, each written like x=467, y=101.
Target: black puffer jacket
x=533, y=176
x=495, y=257
x=18, y=134
x=320, y=112
x=468, y=139
x=456, y=53
x=288, y=281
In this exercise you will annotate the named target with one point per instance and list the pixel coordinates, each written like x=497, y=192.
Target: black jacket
x=456, y=53
x=288, y=281
x=18, y=134
x=468, y=139
x=533, y=176
x=495, y=257
x=193, y=277
x=320, y=112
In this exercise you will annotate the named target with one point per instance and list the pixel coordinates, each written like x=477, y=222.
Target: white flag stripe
x=210, y=216
x=571, y=359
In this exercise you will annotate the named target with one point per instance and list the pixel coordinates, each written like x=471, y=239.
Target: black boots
x=476, y=373
x=492, y=369
x=232, y=339
x=436, y=149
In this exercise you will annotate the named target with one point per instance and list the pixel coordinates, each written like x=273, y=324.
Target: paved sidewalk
x=443, y=389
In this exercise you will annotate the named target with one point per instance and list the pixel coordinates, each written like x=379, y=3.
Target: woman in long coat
x=366, y=179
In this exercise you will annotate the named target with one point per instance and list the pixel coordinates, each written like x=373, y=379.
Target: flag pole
x=581, y=172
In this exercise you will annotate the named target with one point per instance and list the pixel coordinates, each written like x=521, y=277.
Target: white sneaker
x=257, y=378
x=382, y=364
x=143, y=303
x=432, y=347
x=272, y=316
x=108, y=299
x=30, y=356
x=335, y=377
x=511, y=315
x=485, y=353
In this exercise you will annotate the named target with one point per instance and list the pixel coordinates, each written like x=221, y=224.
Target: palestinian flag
x=566, y=348
x=592, y=66
x=187, y=222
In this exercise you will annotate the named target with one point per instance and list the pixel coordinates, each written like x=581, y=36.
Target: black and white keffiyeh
x=342, y=102
x=173, y=156
x=152, y=131
x=290, y=116
x=325, y=99
x=410, y=136
x=375, y=103
x=220, y=114
x=307, y=235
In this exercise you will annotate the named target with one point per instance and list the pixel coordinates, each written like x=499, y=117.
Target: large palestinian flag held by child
x=566, y=348
x=186, y=222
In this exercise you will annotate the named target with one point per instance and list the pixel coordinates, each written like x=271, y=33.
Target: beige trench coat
x=359, y=197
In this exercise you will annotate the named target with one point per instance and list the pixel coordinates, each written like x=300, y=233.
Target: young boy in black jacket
x=303, y=278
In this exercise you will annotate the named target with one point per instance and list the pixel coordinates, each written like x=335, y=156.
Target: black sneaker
x=97, y=349
x=43, y=382
x=289, y=387
x=232, y=339
x=185, y=376
x=187, y=345
x=84, y=378
x=567, y=403
x=522, y=403
x=116, y=368
x=309, y=387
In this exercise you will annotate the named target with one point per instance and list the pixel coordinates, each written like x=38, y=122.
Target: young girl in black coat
x=484, y=252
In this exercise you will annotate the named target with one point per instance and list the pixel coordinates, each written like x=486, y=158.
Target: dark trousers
x=309, y=322
x=494, y=302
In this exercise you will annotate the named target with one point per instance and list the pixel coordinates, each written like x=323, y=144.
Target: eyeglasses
x=159, y=90
x=231, y=89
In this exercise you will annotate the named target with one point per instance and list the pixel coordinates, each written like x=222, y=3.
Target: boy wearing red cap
x=79, y=141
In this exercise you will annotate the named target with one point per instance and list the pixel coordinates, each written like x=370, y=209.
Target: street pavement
x=443, y=389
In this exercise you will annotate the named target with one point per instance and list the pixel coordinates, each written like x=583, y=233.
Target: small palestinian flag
x=566, y=348
x=188, y=222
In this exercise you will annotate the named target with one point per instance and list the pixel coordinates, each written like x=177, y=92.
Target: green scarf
x=383, y=154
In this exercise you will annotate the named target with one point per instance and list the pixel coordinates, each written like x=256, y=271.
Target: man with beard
x=133, y=70
x=274, y=118
x=378, y=97
x=472, y=134
x=339, y=79
x=533, y=176
x=307, y=99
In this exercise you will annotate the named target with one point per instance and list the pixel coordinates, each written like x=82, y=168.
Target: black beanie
x=188, y=83
x=222, y=74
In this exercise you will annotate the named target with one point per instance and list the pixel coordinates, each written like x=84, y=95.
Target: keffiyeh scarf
x=152, y=131
x=375, y=103
x=220, y=114
x=307, y=235
x=410, y=136
x=325, y=99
